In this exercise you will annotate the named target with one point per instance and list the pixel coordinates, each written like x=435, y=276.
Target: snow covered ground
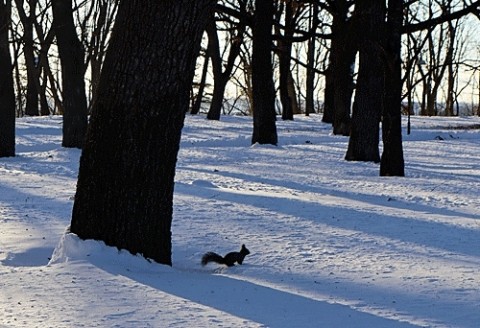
x=332, y=243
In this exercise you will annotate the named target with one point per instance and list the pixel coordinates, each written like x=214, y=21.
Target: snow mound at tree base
x=71, y=248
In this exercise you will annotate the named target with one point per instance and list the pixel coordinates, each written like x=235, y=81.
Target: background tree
x=222, y=70
x=27, y=18
x=264, y=115
x=392, y=162
x=73, y=70
x=197, y=98
x=287, y=8
x=125, y=187
x=368, y=104
x=310, y=74
x=339, y=84
x=95, y=20
x=7, y=95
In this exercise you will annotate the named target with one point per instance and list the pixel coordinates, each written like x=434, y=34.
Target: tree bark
x=368, y=105
x=125, y=186
x=392, y=162
x=7, y=94
x=264, y=116
x=71, y=54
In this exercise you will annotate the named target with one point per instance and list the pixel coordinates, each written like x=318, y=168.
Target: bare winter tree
x=125, y=186
x=7, y=95
x=73, y=70
x=27, y=18
x=223, y=69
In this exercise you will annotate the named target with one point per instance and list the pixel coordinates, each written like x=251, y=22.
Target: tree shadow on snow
x=261, y=304
x=420, y=232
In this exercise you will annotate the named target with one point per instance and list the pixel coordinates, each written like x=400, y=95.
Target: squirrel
x=228, y=260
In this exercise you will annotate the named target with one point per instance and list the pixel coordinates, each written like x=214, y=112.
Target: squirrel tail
x=212, y=257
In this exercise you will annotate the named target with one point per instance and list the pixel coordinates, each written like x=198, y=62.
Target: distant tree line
x=373, y=57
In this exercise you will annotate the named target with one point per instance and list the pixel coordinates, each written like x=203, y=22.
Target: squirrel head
x=244, y=250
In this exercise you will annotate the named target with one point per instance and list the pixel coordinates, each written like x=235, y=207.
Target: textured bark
x=125, y=187
x=73, y=68
x=368, y=105
x=392, y=162
x=264, y=116
x=7, y=95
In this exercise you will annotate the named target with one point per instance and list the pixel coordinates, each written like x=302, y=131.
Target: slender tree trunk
x=310, y=78
x=222, y=71
x=284, y=55
x=125, y=186
x=264, y=116
x=392, y=162
x=31, y=62
x=73, y=68
x=285, y=49
x=219, y=79
x=7, y=94
x=292, y=93
x=329, y=96
x=197, y=104
x=367, y=109
x=449, y=103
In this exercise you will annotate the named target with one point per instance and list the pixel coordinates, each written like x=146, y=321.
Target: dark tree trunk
x=222, y=71
x=339, y=77
x=284, y=75
x=216, y=105
x=264, y=116
x=329, y=96
x=219, y=79
x=44, y=108
x=7, y=94
x=31, y=108
x=343, y=48
x=31, y=62
x=310, y=78
x=343, y=87
x=125, y=186
x=197, y=103
x=368, y=105
x=392, y=162
x=71, y=55
x=292, y=93
x=451, y=72
x=284, y=55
